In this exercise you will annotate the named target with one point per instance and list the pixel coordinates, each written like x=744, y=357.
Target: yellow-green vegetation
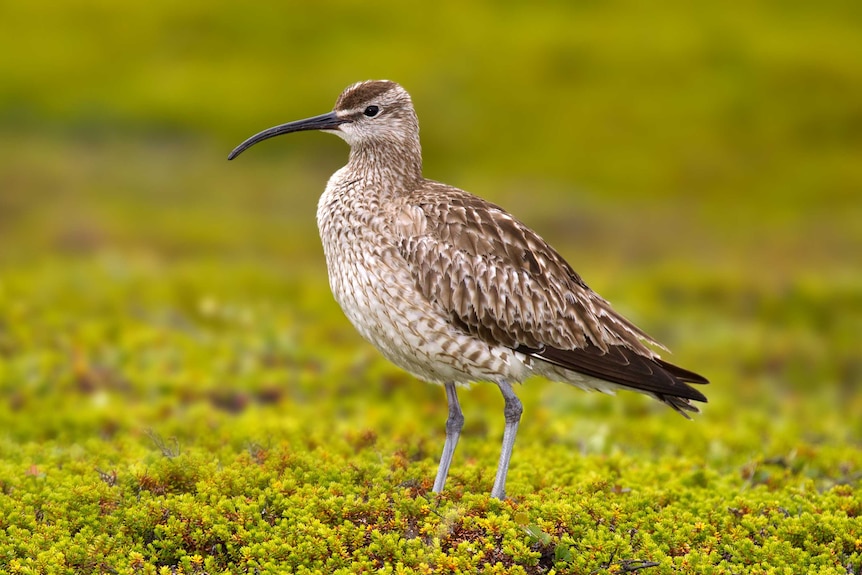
x=180, y=394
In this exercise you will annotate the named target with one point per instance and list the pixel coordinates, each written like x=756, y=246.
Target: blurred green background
x=700, y=164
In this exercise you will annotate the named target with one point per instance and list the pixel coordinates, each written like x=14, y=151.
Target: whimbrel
x=454, y=289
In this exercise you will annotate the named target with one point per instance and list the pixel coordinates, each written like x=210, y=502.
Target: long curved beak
x=322, y=122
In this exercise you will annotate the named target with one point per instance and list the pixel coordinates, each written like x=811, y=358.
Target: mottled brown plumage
x=499, y=281
x=453, y=288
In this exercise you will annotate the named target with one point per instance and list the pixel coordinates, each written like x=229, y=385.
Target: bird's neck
x=391, y=167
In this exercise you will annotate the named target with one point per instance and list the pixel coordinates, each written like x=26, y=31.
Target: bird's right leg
x=512, y=411
x=453, y=430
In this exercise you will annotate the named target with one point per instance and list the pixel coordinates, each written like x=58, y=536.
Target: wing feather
x=499, y=281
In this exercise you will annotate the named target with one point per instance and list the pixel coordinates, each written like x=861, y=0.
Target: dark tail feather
x=682, y=374
x=680, y=404
x=623, y=366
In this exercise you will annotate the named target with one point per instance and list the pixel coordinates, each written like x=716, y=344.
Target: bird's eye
x=371, y=111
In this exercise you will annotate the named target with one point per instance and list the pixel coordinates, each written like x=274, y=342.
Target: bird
x=454, y=289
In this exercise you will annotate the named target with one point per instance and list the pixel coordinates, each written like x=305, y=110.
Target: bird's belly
x=379, y=296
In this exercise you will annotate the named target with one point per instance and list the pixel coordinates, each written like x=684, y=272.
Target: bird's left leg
x=512, y=411
x=453, y=431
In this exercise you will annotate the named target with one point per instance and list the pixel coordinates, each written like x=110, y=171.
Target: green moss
x=153, y=437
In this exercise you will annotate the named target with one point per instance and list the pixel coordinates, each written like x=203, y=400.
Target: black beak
x=322, y=122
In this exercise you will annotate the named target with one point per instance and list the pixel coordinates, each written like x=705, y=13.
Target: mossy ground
x=179, y=393
x=219, y=415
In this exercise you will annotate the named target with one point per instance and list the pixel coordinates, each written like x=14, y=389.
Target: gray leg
x=512, y=410
x=453, y=431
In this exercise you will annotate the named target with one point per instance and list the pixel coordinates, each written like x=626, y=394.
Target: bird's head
x=367, y=113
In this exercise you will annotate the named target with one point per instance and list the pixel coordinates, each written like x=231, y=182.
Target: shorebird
x=454, y=289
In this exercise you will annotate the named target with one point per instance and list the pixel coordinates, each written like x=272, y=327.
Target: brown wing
x=663, y=380
x=499, y=281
